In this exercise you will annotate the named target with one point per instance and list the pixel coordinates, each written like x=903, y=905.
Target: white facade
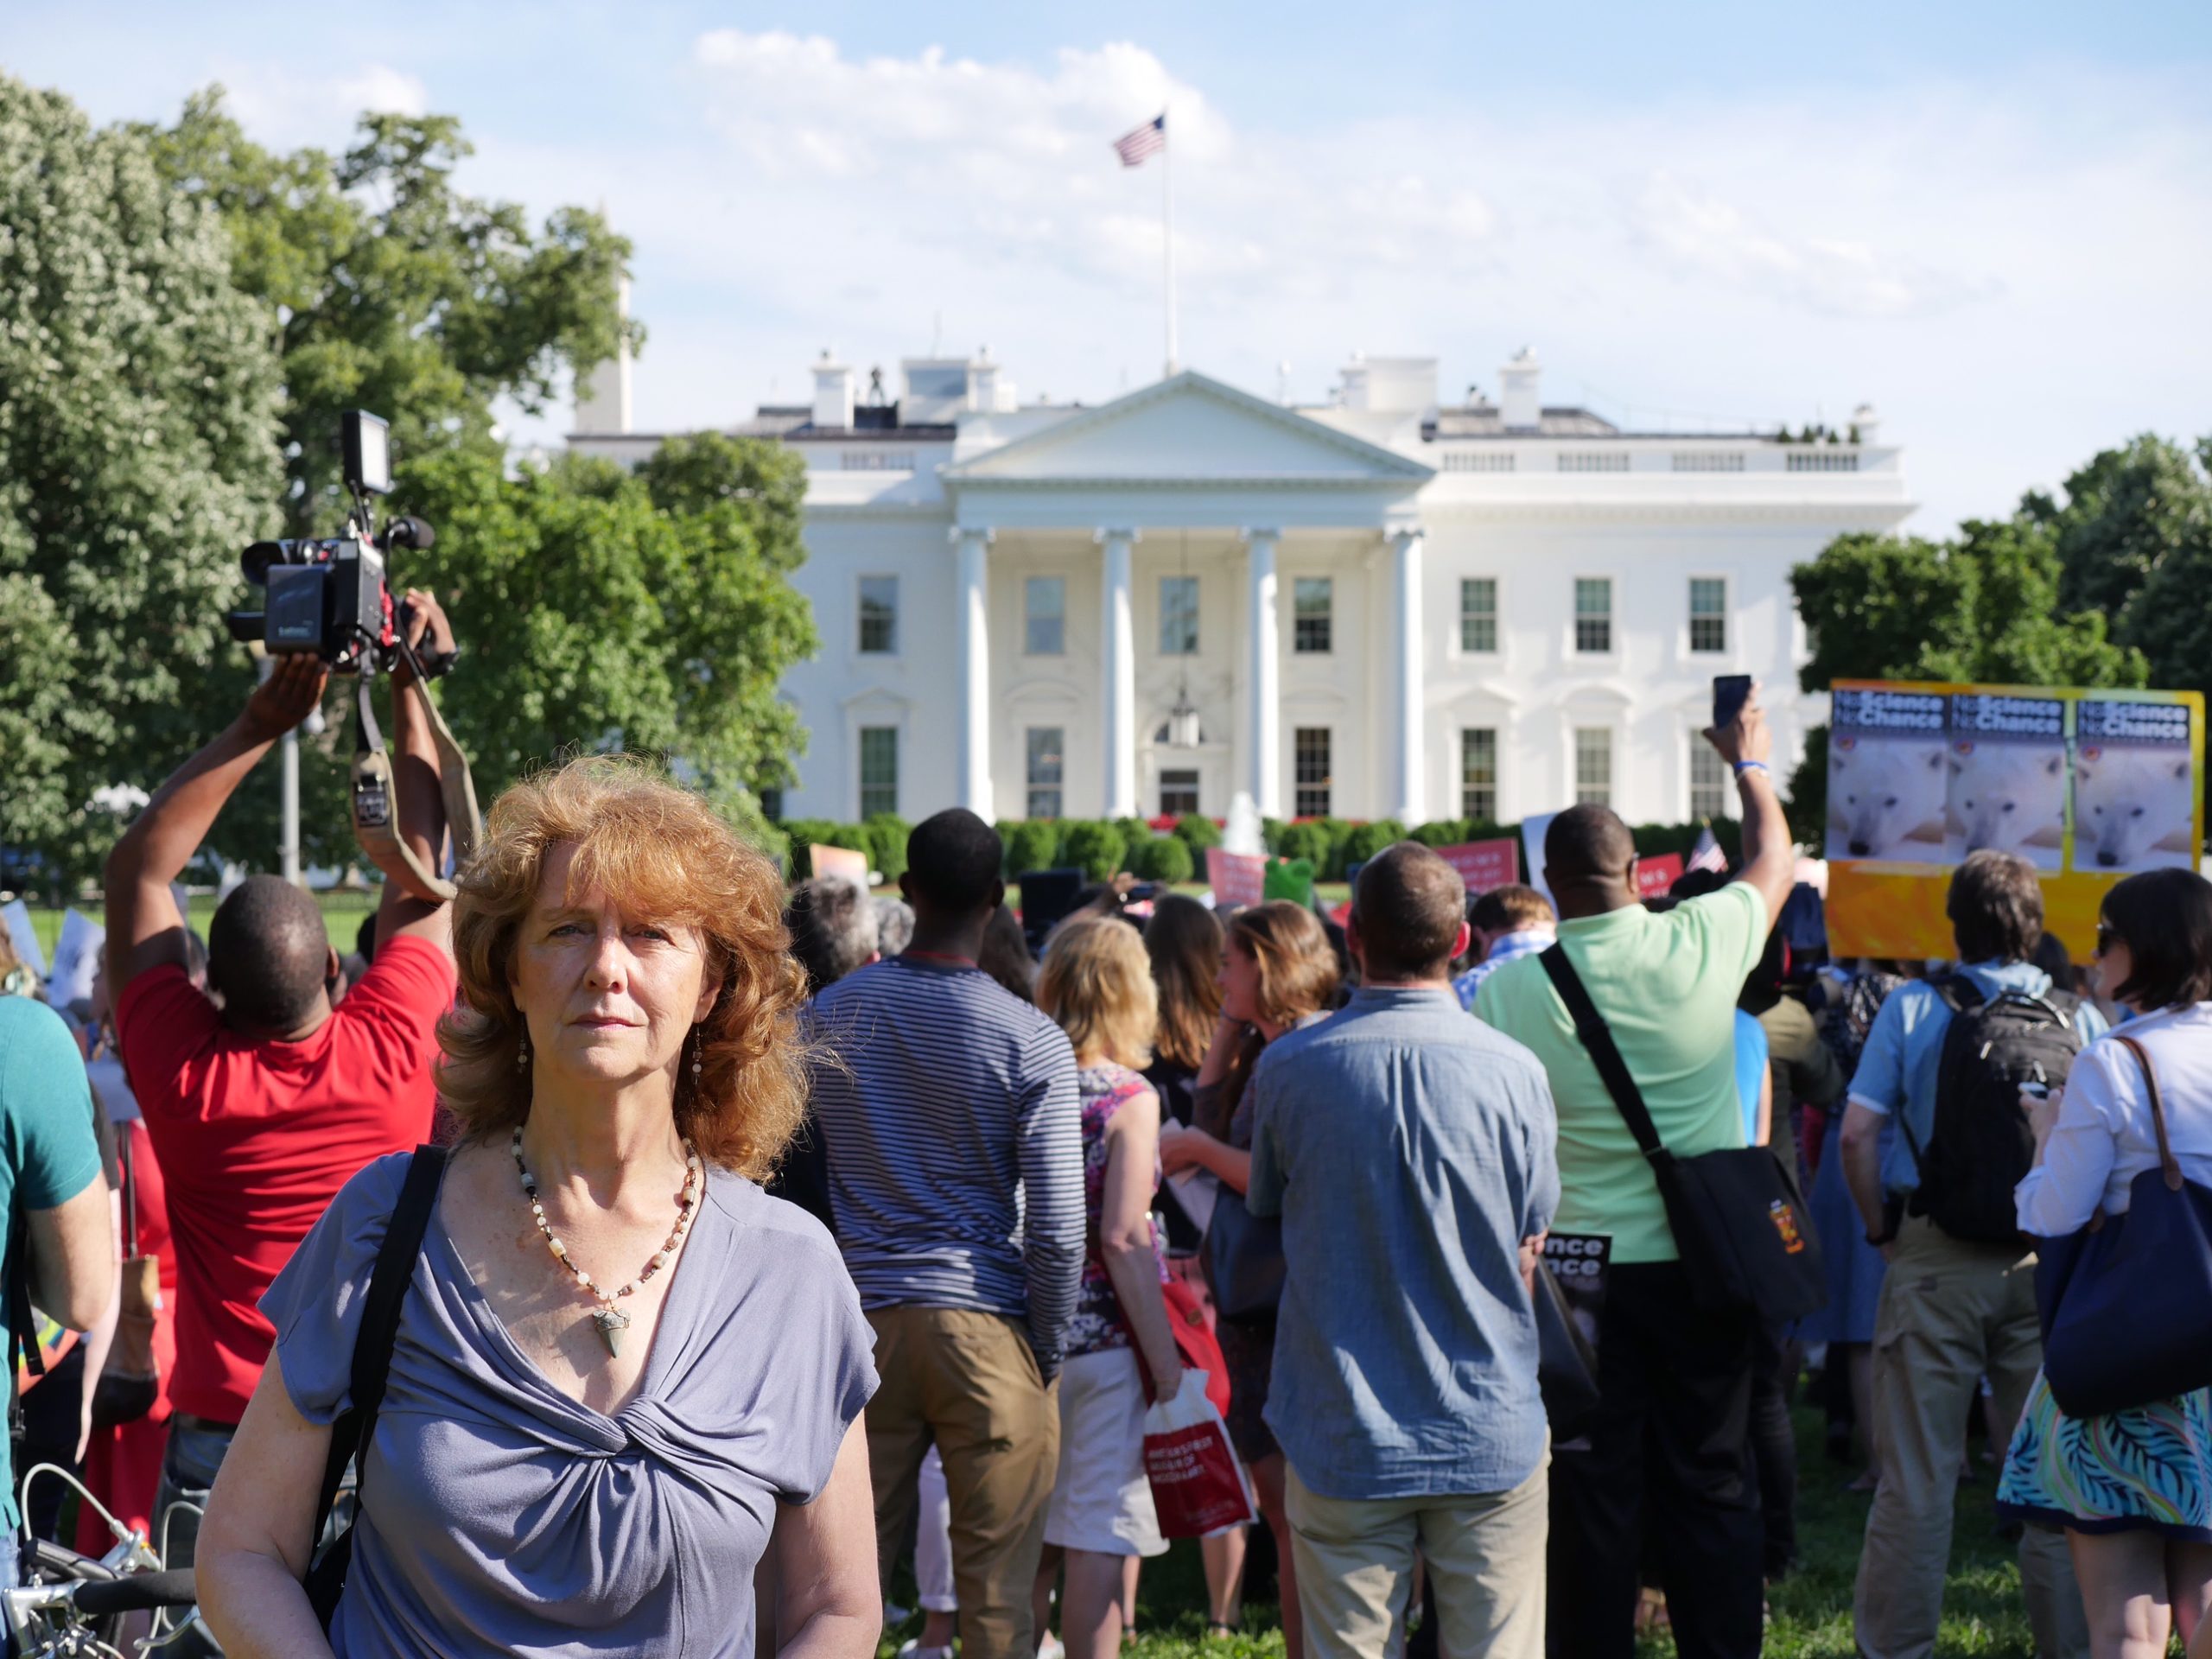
x=1455, y=542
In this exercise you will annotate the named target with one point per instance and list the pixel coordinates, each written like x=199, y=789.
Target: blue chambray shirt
x=1904, y=1049
x=1408, y=1150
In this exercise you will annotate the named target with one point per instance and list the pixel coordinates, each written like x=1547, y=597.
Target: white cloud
x=280, y=107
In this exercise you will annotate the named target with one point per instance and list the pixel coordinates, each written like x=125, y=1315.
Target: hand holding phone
x=1739, y=728
x=1729, y=693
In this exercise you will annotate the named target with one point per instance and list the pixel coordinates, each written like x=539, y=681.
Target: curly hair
x=657, y=851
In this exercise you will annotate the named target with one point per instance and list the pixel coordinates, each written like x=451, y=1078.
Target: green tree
x=2134, y=536
x=385, y=287
x=138, y=405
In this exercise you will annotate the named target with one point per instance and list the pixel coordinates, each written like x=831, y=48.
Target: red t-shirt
x=256, y=1138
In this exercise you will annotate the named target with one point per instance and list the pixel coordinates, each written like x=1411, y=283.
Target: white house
x=1383, y=606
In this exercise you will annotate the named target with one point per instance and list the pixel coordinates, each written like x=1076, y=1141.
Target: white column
x=975, y=650
x=1410, y=797
x=1264, y=768
x=1118, y=657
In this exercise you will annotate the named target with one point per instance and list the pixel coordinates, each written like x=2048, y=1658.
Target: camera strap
x=376, y=797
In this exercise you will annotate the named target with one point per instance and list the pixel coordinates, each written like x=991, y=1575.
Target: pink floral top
x=1097, y=1324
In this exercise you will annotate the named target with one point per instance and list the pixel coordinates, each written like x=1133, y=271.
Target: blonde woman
x=623, y=1373
x=1097, y=983
x=1277, y=974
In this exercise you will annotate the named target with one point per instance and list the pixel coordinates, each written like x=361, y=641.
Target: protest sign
x=1237, y=879
x=16, y=918
x=76, y=959
x=1484, y=864
x=1655, y=874
x=838, y=861
x=2087, y=785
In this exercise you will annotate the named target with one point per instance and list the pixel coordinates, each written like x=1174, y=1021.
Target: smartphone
x=1729, y=693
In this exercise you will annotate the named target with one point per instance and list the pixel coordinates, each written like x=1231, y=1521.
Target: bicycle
x=74, y=1604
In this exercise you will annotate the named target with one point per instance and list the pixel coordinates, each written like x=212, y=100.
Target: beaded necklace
x=611, y=1320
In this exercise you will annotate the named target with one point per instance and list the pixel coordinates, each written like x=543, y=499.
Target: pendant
x=611, y=1323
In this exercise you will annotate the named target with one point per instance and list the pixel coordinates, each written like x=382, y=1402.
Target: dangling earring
x=522, y=1054
x=698, y=1043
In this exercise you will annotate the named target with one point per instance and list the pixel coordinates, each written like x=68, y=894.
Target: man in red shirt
x=261, y=1105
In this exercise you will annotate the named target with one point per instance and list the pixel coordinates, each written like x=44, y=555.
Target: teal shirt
x=47, y=1151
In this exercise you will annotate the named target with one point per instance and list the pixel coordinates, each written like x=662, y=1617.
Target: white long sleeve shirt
x=2103, y=1139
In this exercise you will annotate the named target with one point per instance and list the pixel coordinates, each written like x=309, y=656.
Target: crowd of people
x=964, y=1194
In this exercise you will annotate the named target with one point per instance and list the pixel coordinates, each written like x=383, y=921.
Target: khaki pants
x=1485, y=1555
x=1950, y=1313
x=968, y=1382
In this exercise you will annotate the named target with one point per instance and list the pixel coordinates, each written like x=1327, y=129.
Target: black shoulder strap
x=1597, y=1038
x=372, y=1343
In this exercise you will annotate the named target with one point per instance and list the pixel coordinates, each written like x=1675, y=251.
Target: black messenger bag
x=1738, y=1220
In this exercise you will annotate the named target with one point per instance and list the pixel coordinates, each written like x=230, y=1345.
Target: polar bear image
x=1885, y=798
x=2010, y=798
x=2133, y=809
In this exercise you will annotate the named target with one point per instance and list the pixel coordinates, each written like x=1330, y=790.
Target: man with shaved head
x=1409, y=1151
x=260, y=1097
x=1671, y=1429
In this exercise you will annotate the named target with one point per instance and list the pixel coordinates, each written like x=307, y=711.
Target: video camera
x=330, y=595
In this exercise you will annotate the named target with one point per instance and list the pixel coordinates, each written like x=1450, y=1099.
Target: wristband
x=1743, y=766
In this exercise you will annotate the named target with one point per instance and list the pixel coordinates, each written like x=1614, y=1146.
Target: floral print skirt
x=2148, y=1468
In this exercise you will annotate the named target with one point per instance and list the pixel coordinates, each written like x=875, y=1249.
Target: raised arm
x=1770, y=859
x=416, y=771
x=144, y=929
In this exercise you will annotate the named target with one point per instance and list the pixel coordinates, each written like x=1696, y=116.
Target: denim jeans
x=195, y=1452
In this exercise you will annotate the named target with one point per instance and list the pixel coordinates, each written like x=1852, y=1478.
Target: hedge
x=1093, y=846
x=1198, y=832
x=1160, y=858
x=1031, y=844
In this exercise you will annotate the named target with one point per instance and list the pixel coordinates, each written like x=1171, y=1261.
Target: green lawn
x=1811, y=1609
x=342, y=913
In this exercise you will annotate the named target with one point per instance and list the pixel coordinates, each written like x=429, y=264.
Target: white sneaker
x=1050, y=1648
x=914, y=1649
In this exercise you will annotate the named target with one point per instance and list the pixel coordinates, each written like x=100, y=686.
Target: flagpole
x=1167, y=228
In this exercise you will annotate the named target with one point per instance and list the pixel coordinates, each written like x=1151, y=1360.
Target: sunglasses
x=2108, y=936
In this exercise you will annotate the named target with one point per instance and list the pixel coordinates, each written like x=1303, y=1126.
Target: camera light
x=368, y=452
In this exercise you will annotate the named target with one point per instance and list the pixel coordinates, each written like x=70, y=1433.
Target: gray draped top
x=501, y=1516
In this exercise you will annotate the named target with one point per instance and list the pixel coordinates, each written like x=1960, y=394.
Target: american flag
x=1148, y=140
x=1706, y=855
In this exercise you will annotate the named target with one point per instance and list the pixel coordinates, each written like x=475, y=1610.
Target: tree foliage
x=138, y=407
x=389, y=289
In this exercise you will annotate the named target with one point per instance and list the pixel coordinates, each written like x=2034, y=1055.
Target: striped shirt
x=949, y=1111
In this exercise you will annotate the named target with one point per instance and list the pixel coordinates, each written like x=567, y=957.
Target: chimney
x=833, y=392
x=983, y=383
x=1351, y=390
x=1865, y=424
x=603, y=396
x=1520, y=397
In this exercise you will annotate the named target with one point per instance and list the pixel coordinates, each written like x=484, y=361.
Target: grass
x=342, y=913
x=1983, y=1616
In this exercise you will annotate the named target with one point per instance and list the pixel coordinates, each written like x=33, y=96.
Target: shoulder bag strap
x=2167, y=1161
x=402, y=1244
x=128, y=1160
x=1597, y=1038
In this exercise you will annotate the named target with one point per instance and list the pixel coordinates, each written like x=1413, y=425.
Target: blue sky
x=1993, y=222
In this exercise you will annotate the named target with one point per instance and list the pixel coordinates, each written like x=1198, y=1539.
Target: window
x=1179, y=793
x=1478, y=615
x=1312, y=609
x=1309, y=752
x=879, y=770
x=1479, y=773
x=1477, y=461
x=1593, y=615
x=876, y=461
x=1813, y=461
x=1593, y=460
x=1179, y=616
x=1044, y=614
x=1709, y=780
x=1708, y=614
x=1045, y=769
x=1708, y=461
x=879, y=614
x=1594, y=765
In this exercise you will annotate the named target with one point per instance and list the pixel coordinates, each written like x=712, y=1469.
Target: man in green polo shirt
x=1674, y=1379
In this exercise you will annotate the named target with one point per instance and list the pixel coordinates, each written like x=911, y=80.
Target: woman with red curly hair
x=623, y=1373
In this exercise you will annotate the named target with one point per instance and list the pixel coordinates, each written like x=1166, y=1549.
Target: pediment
x=1190, y=430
